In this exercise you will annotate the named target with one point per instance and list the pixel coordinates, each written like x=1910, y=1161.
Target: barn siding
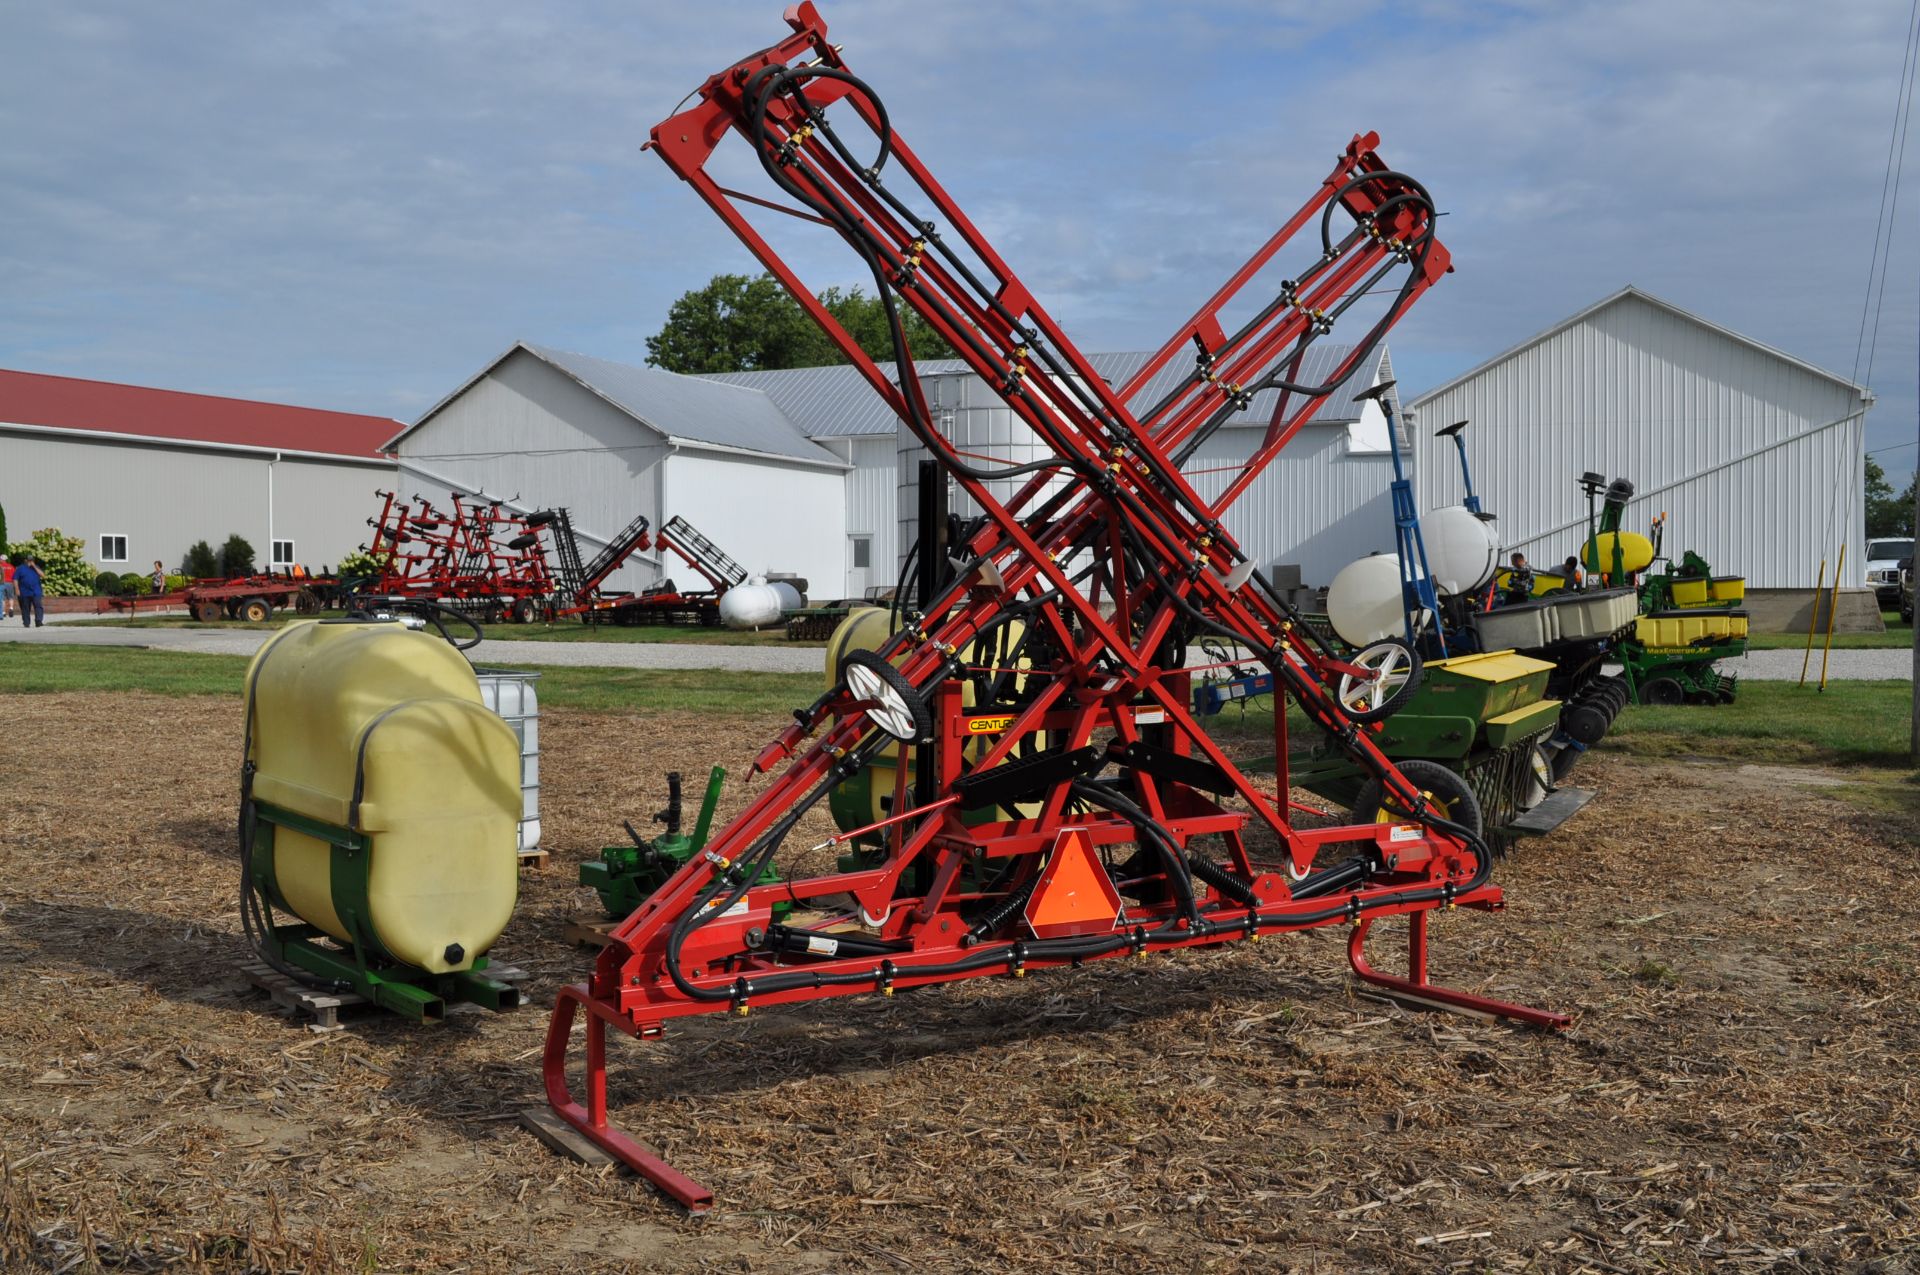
x=163, y=498
x=1755, y=459
x=766, y=515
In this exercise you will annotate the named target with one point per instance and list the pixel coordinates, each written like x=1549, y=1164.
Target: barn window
x=113, y=548
x=862, y=553
x=283, y=553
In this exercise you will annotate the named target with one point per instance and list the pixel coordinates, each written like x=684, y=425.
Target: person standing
x=159, y=578
x=6, y=587
x=1519, y=580
x=26, y=579
x=1570, y=570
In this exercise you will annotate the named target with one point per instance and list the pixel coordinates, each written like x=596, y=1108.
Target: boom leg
x=1417, y=989
x=590, y=1118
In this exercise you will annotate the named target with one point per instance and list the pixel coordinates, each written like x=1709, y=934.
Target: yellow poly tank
x=377, y=729
x=1690, y=591
x=1636, y=551
x=1670, y=629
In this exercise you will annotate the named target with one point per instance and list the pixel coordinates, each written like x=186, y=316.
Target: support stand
x=1416, y=989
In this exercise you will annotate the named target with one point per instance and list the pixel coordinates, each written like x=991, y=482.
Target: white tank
x=1462, y=549
x=1363, y=603
x=790, y=599
x=752, y=605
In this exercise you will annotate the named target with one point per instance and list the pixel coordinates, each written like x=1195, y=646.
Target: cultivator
x=483, y=557
x=666, y=602
x=1049, y=797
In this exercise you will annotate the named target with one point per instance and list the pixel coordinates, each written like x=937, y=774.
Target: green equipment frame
x=361, y=967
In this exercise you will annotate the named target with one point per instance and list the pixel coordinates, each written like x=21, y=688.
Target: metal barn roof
x=137, y=411
x=837, y=402
x=687, y=409
x=823, y=402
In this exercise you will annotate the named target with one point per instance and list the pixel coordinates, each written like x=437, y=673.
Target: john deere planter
x=379, y=805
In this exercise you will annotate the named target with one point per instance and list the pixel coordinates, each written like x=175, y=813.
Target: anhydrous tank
x=1462, y=548
x=1363, y=602
x=379, y=730
x=752, y=605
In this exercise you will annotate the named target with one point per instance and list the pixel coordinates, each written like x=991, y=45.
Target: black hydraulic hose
x=742, y=874
x=1153, y=833
x=848, y=222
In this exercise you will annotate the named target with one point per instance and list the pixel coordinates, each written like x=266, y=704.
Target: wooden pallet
x=536, y=859
x=321, y=1010
x=584, y=931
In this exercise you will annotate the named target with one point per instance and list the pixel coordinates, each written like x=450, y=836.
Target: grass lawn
x=559, y=631
x=1897, y=636
x=43, y=669
x=1850, y=723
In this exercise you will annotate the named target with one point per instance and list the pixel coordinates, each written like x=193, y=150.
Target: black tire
x=540, y=519
x=524, y=612
x=523, y=542
x=1449, y=792
x=1663, y=691
x=255, y=610
x=1586, y=722
x=898, y=710
x=1564, y=761
x=1391, y=652
x=306, y=602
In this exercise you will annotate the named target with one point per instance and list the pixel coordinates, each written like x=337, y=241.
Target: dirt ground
x=1738, y=1093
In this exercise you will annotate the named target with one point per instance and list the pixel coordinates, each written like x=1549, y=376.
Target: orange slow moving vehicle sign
x=1075, y=896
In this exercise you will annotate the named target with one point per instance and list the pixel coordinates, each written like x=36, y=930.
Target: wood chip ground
x=1738, y=1094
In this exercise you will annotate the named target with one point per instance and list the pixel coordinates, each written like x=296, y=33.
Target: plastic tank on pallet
x=510, y=693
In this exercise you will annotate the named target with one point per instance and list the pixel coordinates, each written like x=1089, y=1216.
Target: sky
x=358, y=205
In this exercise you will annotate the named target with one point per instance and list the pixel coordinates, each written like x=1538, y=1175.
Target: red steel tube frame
x=1133, y=512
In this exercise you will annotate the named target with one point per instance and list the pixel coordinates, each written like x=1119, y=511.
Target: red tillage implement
x=1090, y=816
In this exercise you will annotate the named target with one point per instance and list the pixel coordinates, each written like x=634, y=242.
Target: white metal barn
x=1755, y=456
x=1323, y=502
x=542, y=427
x=839, y=411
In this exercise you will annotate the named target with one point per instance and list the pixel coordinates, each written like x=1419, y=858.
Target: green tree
x=1887, y=514
x=3, y=528
x=201, y=562
x=236, y=556
x=742, y=324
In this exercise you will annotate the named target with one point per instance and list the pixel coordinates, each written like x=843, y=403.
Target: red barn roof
x=64, y=402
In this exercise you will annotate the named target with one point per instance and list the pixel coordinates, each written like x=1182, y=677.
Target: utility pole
x=1913, y=572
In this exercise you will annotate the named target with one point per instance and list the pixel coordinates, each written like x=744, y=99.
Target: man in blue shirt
x=27, y=580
